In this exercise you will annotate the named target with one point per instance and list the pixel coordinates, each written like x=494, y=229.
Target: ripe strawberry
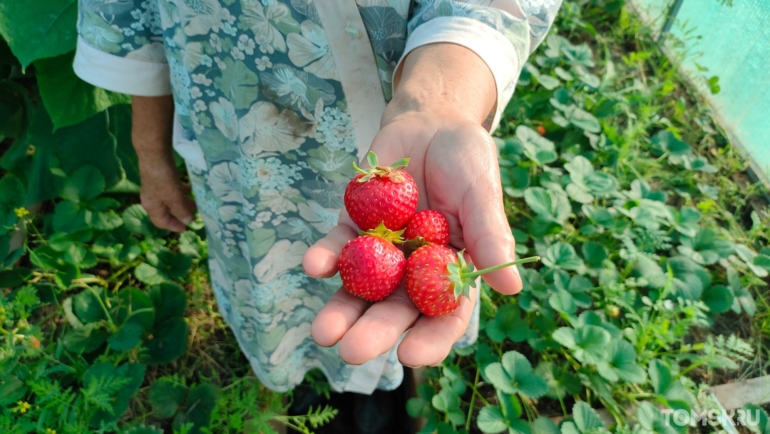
x=381, y=194
x=427, y=226
x=370, y=266
x=436, y=278
x=540, y=130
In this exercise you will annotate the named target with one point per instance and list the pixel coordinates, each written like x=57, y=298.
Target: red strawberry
x=436, y=278
x=540, y=130
x=382, y=194
x=370, y=266
x=427, y=226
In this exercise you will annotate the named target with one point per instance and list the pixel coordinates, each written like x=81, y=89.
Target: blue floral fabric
x=256, y=89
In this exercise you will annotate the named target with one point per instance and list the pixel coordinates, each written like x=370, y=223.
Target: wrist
x=443, y=79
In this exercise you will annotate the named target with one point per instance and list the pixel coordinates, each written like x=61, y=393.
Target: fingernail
x=412, y=366
x=187, y=221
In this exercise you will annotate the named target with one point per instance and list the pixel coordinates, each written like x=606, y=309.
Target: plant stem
x=470, y=406
x=498, y=267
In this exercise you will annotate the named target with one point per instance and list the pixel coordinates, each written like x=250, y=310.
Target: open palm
x=454, y=163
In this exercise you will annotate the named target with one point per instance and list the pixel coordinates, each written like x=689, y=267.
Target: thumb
x=487, y=235
x=320, y=259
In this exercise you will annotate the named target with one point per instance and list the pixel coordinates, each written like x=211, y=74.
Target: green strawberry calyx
x=394, y=171
x=463, y=276
x=381, y=231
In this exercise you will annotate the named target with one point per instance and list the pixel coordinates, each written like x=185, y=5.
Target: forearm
x=151, y=129
x=446, y=79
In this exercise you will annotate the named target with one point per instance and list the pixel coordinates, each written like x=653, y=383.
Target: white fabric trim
x=356, y=67
x=121, y=74
x=490, y=45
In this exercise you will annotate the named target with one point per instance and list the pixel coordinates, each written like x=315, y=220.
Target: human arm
x=163, y=194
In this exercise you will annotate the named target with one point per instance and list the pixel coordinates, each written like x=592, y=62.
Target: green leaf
x=562, y=255
x=749, y=256
x=132, y=373
x=127, y=337
x=200, y=403
x=509, y=323
x=136, y=220
x=594, y=254
x=169, y=300
x=446, y=400
x=718, y=298
x=14, y=277
x=191, y=244
x=660, y=376
x=560, y=381
x=544, y=425
x=562, y=301
x=620, y=363
x=490, y=420
x=70, y=217
x=583, y=120
x=418, y=407
x=536, y=147
x=69, y=148
x=690, y=279
x=84, y=184
x=743, y=297
x=163, y=266
x=168, y=343
x=548, y=82
x=87, y=306
x=549, y=204
x=85, y=339
x=514, y=375
x=133, y=305
x=705, y=248
x=652, y=420
x=44, y=28
x=586, y=419
x=166, y=396
x=11, y=390
x=57, y=83
x=588, y=343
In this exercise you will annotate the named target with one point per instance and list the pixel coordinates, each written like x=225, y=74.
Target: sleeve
x=503, y=33
x=120, y=47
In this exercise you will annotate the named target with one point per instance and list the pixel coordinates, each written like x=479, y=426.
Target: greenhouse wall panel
x=732, y=42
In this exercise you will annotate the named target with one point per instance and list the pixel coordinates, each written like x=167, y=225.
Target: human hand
x=164, y=195
x=454, y=163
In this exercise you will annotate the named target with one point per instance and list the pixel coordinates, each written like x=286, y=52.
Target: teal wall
x=734, y=45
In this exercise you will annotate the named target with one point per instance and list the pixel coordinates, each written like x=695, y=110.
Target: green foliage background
x=616, y=176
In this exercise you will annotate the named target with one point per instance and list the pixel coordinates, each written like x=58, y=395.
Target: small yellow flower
x=50, y=431
x=21, y=212
x=22, y=407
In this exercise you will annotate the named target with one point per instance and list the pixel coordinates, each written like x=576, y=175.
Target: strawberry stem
x=392, y=171
x=498, y=267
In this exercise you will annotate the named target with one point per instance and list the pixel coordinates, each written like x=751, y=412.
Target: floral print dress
x=272, y=107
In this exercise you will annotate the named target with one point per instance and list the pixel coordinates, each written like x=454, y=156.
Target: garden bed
x=651, y=290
